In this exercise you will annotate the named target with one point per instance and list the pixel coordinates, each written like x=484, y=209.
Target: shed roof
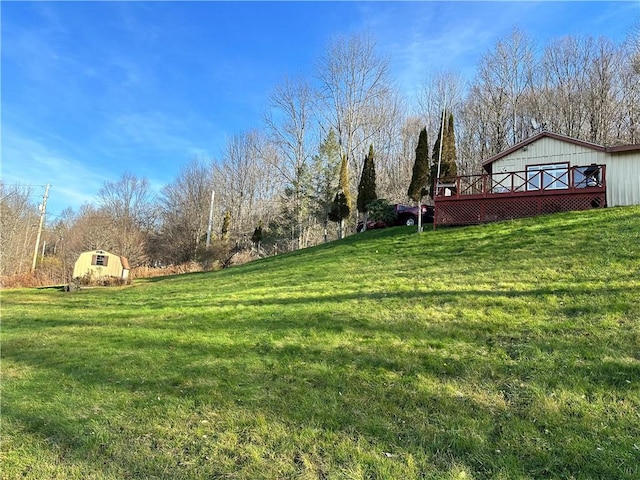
x=561, y=138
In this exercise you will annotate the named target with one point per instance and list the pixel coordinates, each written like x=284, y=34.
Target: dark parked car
x=408, y=215
x=403, y=215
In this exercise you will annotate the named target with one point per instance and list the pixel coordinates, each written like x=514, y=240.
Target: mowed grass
x=506, y=351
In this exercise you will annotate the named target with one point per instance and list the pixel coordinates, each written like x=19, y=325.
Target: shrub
x=90, y=279
x=381, y=210
x=214, y=257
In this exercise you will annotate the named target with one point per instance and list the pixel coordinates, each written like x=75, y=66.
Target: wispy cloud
x=434, y=37
x=154, y=132
x=28, y=161
x=438, y=36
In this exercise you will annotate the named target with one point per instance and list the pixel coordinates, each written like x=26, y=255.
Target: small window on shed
x=100, y=260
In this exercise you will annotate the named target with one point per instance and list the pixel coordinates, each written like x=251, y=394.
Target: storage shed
x=100, y=263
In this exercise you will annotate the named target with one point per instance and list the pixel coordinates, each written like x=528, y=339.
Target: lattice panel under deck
x=468, y=211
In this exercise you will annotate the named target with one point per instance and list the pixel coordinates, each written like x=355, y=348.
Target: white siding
x=623, y=179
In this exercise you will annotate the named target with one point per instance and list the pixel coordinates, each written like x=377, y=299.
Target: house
x=99, y=263
x=543, y=174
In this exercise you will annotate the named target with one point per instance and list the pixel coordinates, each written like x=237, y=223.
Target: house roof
x=624, y=148
x=562, y=138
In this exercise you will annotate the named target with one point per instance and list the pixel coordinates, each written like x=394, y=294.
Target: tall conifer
x=367, y=185
x=344, y=181
x=341, y=207
x=226, y=225
x=420, y=175
x=448, y=165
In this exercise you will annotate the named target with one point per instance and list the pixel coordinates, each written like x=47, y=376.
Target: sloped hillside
x=509, y=350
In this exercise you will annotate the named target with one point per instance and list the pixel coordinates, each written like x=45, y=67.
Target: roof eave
x=537, y=137
x=624, y=148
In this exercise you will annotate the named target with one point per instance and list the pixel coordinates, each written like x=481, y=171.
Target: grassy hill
x=507, y=351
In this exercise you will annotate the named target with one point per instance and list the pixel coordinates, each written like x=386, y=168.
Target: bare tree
x=59, y=243
x=129, y=203
x=441, y=90
x=396, y=164
x=627, y=128
x=444, y=91
x=184, y=212
x=236, y=178
x=354, y=84
x=91, y=229
x=387, y=130
x=474, y=144
x=248, y=183
x=17, y=231
x=603, y=92
x=289, y=125
x=586, y=88
x=565, y=69
x=504, y=78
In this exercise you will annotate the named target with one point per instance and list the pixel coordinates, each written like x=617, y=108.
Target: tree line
x=336, y=140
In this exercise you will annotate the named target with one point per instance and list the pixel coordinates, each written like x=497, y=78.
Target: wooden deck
x=475, y=199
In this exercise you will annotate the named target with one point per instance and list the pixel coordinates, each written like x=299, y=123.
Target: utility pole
x=43, y=211
x=437, y=186
x=213, y=195
x=441, y=140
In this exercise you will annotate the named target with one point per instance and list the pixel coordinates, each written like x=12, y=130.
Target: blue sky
x=93, y=89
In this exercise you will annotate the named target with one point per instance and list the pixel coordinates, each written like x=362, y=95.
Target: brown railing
x=528, y=182
x=500, y=196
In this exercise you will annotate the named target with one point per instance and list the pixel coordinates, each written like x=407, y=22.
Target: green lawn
x=506, y=351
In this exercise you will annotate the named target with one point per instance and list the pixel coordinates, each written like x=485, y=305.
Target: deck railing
x=528, y=182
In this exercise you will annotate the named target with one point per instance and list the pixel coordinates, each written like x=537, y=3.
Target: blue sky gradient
x=93, y=89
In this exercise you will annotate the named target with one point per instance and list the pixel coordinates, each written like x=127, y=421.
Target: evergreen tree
x=256, y=238
x=295, y=206
x=341, y=207
x=448, y=166
x=344, y=181
x=421, y=174
x=367, y=186
x=435, y=159
x=325, y=168
x=226, y=225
